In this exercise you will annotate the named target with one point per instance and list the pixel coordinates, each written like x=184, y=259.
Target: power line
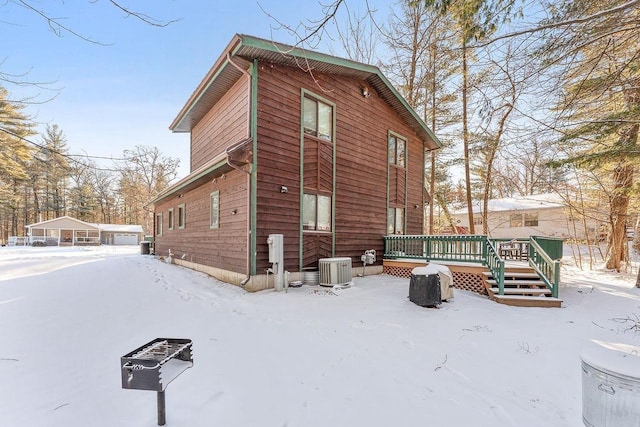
x=69, y=156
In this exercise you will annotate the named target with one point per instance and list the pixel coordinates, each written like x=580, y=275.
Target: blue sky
x=110, y=98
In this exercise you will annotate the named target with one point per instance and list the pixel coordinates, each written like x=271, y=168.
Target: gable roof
x=76, y=224
x=64, y=222
x=244, y=49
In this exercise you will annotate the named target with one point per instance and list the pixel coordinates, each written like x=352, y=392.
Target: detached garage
x=119, y=234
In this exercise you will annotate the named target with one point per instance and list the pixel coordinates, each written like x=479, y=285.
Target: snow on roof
x=122, y=228
x=534, y=201
x=125, y=228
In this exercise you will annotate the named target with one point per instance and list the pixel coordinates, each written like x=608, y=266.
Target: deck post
x=501, y=277
x=556, y=275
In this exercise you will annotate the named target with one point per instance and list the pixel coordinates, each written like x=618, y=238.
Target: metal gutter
x=216, y=163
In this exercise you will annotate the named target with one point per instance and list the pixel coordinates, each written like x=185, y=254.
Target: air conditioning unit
x=334, y=271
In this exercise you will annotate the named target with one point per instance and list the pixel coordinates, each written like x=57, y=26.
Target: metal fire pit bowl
x=154, y=365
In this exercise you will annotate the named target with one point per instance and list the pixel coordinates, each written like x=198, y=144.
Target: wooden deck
x=522, y=286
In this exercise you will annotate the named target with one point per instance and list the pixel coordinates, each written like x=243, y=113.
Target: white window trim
x=171, y=218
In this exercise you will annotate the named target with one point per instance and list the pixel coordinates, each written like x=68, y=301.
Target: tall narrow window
x=170, y=219
x=396, y=186
x=182, y=216
x=396, y=151
x=395, y=221
x=316, y=212
x=215, y=209
x=159, y=224
x=318, y=119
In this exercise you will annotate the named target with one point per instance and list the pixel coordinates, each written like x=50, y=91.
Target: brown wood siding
x=278, y=163
x=415, y=189
x=401, y=186
x=361, y=162
x=310, y=163
x=393, y=186
x=226, y=124
x=325, y=167
x=315, y=246
x=318, y=165
x=225, y=247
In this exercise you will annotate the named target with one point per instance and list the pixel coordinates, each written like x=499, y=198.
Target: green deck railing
x=463, y=248
x=495, y=264
x=478, y=249
x=547, y=268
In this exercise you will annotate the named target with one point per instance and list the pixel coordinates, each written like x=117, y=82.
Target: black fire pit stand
x=162, y=411
x=154, y=365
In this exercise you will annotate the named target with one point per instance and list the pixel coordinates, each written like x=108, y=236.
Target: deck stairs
x=522, y=287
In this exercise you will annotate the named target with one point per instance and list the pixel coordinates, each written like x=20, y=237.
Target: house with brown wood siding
x=320, y=149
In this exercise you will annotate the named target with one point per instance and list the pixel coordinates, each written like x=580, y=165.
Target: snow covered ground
x=363, y=356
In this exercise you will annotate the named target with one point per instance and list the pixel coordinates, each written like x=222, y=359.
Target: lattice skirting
x=469, y=281
x=397, y=271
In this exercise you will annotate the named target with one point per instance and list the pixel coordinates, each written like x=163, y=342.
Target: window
x=395, y=221
x=214, y=214
x=396, y=184
x=397, y=151
x=182, y=216
x=531, y=220
x=159, y=224
x=515, y=220
x=318, y=119
x=170, y=219
x=318, y=167
x=477, y=220
x=316, y=212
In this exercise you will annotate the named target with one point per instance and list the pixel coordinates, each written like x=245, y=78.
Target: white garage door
x=125, y=239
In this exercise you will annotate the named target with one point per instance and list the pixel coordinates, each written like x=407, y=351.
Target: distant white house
x=68, y=231
x=524, y=216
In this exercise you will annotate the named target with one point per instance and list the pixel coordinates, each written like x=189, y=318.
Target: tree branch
x=567, y=23
x=143, y=17
x=55, y=25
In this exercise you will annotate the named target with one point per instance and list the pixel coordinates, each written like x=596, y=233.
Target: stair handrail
x=548, y=269
x=495, y=264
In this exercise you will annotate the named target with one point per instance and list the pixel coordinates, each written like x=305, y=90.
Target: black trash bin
x=144, y=248
x=424, y=287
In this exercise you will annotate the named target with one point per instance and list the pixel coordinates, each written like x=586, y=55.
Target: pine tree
x=601, y=101
x=15, y=127
x=475, y=20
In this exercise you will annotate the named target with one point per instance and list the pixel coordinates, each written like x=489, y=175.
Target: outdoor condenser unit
x=335, y=271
